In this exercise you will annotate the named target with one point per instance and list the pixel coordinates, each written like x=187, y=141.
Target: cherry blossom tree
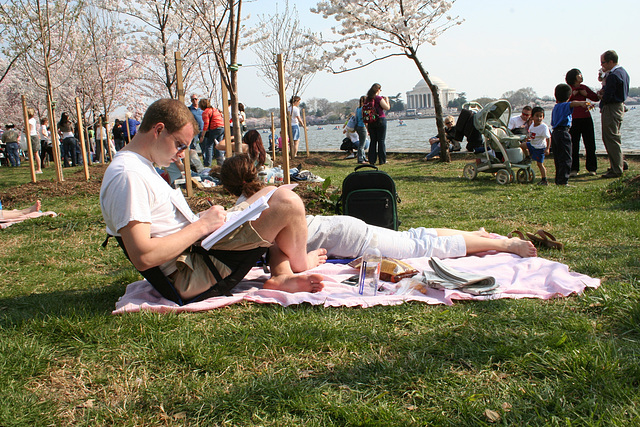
x=105, y=76
x=156, y=32
x=402, y=26
x=41, y=34
x=281, y=33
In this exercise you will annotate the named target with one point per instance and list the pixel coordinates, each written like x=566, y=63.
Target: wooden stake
x=283, y=121
x=27, y=134
x=273, y=138
x=187, y=151
x=225, y=115
x=306, y=137
x=55, y=141
x=83, y=147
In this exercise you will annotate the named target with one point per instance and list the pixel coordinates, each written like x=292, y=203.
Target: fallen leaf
x=492, y=416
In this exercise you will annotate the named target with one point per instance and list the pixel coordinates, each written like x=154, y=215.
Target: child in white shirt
x=538, y=142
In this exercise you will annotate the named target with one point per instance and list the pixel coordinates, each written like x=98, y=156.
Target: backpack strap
x=154, y=275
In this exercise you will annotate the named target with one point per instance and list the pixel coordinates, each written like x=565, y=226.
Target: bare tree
x=403, y=25
x=217, y=27
x=281, y=33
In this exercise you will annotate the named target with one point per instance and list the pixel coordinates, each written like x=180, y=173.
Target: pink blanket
x=518, y=278
x=4, y=223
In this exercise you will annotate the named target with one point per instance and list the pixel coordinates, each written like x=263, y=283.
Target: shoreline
x=465, y=154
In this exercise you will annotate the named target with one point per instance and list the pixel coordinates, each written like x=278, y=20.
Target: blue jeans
x=362, y=137
x=209, y=142
x=435, y=151
x=377, y=134
x=13, y=152
x=69, y=146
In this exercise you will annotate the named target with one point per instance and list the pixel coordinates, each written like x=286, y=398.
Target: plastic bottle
x=370, y=269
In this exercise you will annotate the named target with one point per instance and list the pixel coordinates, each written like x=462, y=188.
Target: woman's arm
x=384, y=103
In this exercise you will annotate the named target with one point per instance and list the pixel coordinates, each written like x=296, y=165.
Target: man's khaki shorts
x=194, y=277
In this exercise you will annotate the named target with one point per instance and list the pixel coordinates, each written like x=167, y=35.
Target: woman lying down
x=347, y=237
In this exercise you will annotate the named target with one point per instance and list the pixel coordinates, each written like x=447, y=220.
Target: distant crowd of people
x=571, y=121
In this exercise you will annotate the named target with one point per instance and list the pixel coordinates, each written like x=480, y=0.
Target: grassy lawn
x=65, y=360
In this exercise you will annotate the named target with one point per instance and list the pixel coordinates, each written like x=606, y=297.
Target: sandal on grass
x=516, y=233
x=536, y=239
x=549, y=240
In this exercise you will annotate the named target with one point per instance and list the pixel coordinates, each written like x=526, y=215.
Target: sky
x=502, y=45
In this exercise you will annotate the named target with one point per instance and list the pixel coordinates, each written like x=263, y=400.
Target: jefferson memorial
x=420, y=97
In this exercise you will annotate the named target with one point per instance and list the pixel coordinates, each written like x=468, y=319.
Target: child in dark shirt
x=560, y=137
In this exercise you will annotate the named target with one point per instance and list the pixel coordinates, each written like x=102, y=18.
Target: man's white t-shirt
x=516, y=122
x=132, y=190
x=538, y=135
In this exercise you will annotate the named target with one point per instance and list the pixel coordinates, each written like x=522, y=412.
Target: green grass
x=65, y=360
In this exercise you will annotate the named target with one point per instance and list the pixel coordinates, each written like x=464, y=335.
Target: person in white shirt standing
x=34, y=139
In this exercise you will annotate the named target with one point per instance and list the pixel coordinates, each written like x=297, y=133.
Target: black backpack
x=370, y=195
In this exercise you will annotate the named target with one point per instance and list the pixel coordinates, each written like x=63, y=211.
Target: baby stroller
x=500, y=154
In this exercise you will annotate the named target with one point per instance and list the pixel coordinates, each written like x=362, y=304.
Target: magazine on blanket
x=444, y=277
x=236, y=218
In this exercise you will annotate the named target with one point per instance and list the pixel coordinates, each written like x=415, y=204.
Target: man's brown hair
x=170, y=112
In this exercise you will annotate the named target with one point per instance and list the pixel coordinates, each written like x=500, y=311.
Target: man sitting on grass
x=158, y=228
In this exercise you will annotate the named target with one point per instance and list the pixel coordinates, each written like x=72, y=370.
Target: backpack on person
x=371, y=196
x=369, y=112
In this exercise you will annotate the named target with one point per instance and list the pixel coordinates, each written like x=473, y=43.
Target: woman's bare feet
x=31, y=209
x=296, y=283
x=524, y=248
x=316, y=258
x=481, y=232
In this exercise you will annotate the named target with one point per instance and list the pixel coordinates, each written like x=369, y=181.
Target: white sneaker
x=573, y=174
x=350, y=156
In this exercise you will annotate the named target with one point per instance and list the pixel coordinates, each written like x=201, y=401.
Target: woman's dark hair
x=240, y=176
x=373, y=91
x=571, y=76
x=240, y=106
x=64, y=119
x=256, y=147
x=294, y=99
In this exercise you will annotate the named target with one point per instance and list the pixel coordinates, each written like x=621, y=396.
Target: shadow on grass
x=498, y=345
x=85, y=303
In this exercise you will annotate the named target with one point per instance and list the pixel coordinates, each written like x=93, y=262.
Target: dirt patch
x=74, y=184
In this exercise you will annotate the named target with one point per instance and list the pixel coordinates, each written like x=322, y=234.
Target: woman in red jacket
x=581, y=124
x=212, y=131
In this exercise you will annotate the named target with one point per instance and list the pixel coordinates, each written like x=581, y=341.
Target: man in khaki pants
x=612, y=96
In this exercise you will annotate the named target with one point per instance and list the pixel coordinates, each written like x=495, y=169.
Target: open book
x=236, y=218
x=444, y=277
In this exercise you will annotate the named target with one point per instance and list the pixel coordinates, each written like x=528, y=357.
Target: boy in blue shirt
x=560, y=137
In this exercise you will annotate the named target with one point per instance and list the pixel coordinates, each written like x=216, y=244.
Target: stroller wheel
x=470, y=171
x=503, y=177
x=523, y=176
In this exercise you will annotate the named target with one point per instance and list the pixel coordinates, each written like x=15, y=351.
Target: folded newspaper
x=444, y=277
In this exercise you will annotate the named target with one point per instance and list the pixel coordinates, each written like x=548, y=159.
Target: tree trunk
x=445, y=155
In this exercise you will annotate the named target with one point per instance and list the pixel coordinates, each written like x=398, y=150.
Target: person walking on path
x=581, y=124
x=378, y=128
x=612, y=97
